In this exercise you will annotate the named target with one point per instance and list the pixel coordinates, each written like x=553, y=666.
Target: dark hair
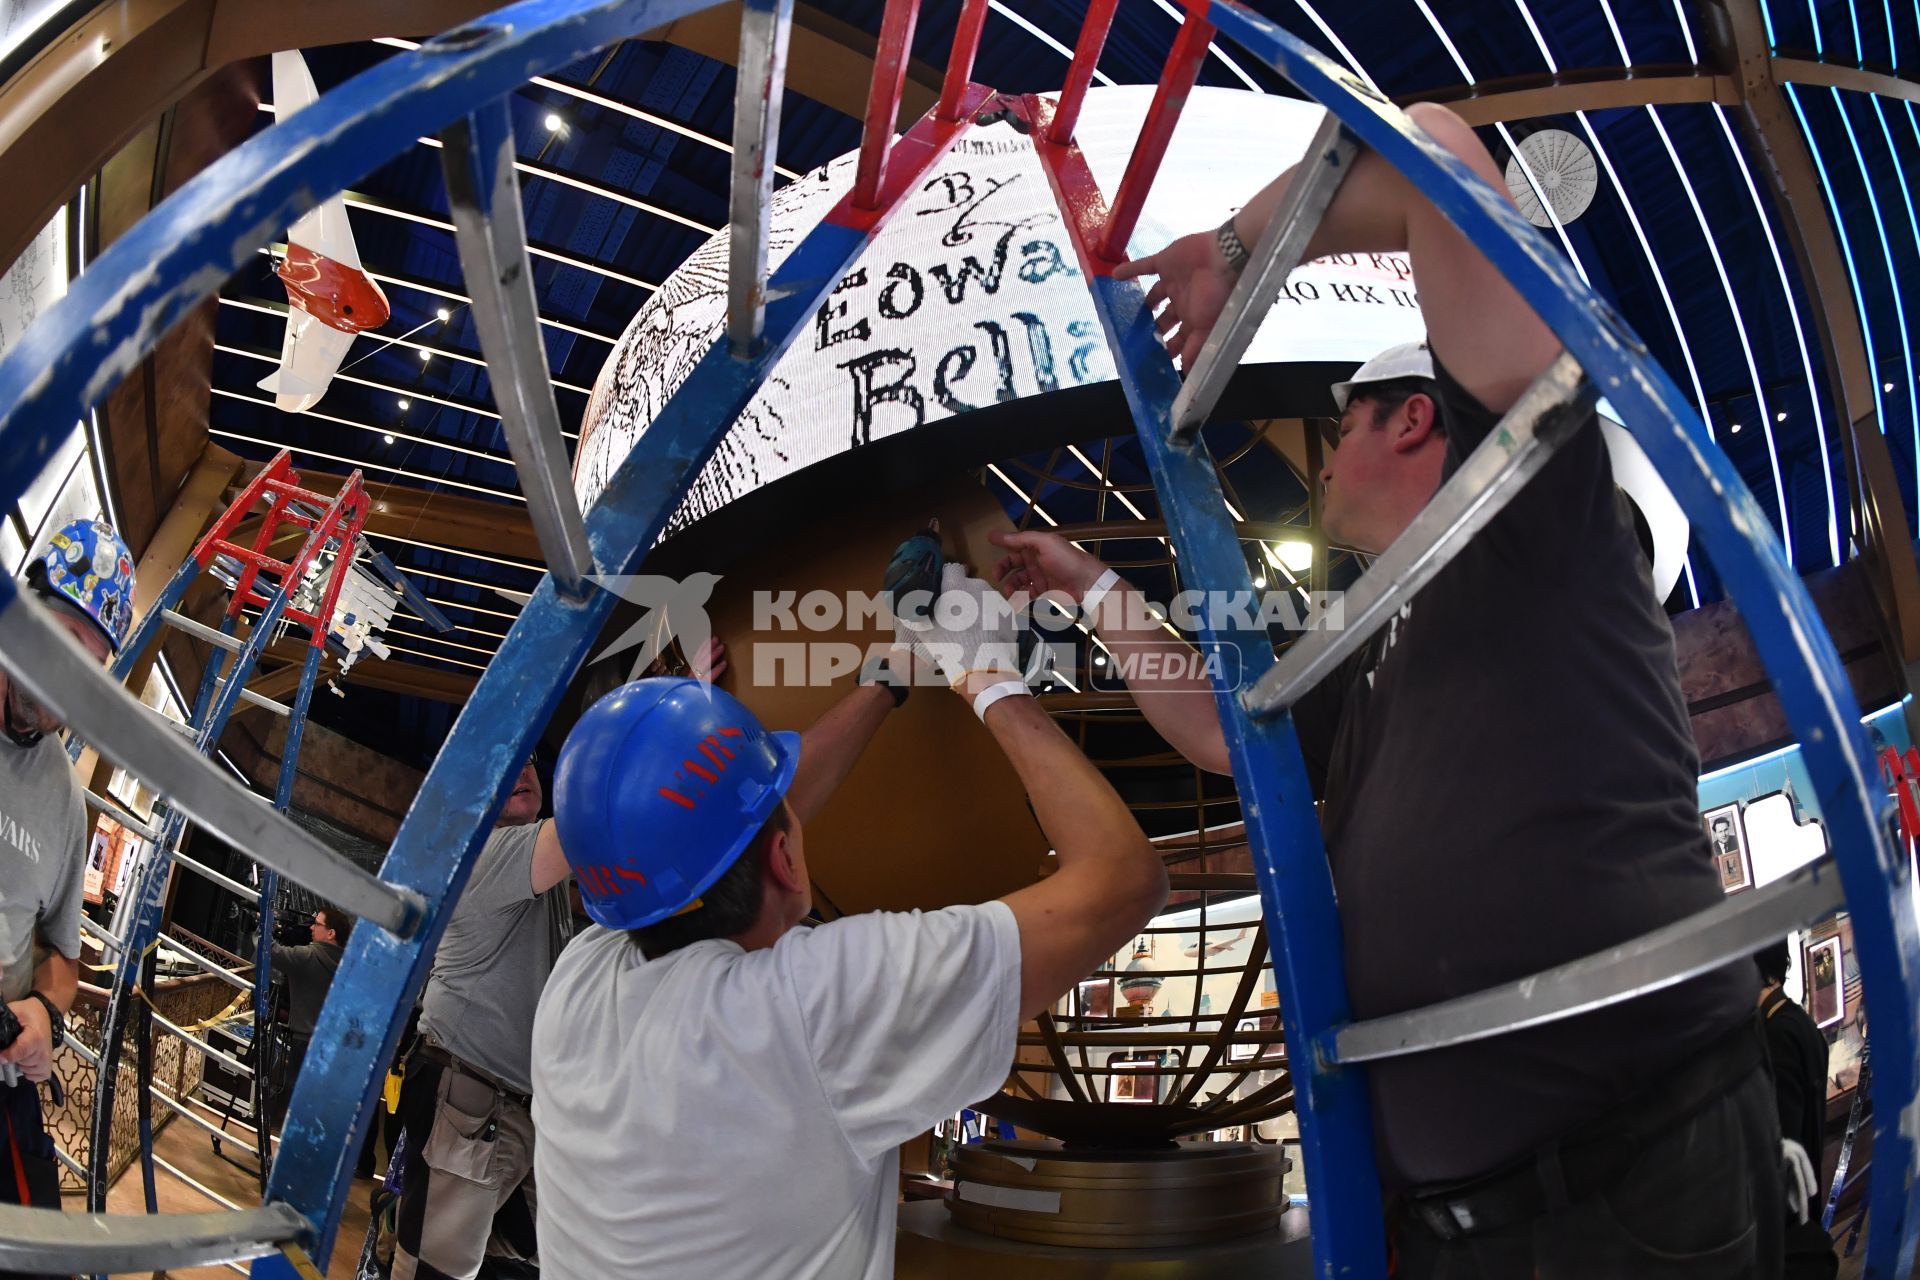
x=1385, y=397
x=730, y=904
x=337, y=920
x=1773, y=961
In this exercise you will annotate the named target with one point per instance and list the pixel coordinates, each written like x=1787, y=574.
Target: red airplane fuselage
x=338, y=296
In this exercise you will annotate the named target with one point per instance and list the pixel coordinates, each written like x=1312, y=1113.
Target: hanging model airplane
x=330, y=296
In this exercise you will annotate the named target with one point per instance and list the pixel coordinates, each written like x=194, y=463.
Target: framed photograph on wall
x=1727, y=837
x=1240, y=1052
x=1823, y=973
x=1133, y=1078
x=1094, y=998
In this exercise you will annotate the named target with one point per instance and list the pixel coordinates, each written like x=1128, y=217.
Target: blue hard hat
x=88, y=566
x=660, y=787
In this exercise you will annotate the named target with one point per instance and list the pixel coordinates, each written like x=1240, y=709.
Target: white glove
x=969, y=630
x=1796, y=1173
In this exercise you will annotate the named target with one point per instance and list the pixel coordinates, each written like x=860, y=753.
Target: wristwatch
x=1232, y=247
x=56, y=1021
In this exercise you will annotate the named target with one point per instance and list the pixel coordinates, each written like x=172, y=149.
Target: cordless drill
x=915, y=568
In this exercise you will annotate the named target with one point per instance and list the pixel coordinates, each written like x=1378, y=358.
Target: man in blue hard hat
x=1509, y=782
x=84, y=577
x=721, y=1094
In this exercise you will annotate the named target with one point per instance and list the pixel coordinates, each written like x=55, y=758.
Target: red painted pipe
x=883, y=99
x=267, y=479
x=1086, y=55
x=1169, y=98
x=966, y=43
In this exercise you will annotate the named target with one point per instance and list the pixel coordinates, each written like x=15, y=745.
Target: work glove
x=970, y=629
x=1797, y=1177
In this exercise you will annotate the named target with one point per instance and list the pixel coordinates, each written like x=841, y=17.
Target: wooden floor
x=190, y=1149
x=1851, y=1268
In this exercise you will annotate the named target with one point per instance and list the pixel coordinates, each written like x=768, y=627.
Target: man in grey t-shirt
x=85, y=579
x=465, y=1103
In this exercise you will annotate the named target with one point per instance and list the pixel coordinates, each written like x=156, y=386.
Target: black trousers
x=28, y=1174
x=284, y=1078
x=1703, y=1201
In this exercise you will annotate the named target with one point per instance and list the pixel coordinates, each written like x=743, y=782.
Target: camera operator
x=305, y=955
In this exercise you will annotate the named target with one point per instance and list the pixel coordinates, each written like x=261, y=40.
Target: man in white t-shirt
x=719, y=1094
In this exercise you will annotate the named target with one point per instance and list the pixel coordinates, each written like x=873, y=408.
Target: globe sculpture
x=956, y=373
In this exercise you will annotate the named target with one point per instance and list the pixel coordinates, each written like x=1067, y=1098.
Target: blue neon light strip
x=1846, y=246
x=1786, y=284
x=1799, y=330
x=1893, y=271
x=1513, y=148
x=1726, y=287
x=1340, y=46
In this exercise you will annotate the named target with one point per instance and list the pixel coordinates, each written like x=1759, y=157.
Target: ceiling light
x=405, y=403
x=443, y=315
x=1294, y=557
x=388, y=439
x=425, y=356
x=1780, y=416
x=1734, y=428
x=1886, y=386
x=1099, y=659
x=1259, y=584
x=554, y=122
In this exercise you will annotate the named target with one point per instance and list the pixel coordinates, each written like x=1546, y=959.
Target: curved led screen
x=970, y=295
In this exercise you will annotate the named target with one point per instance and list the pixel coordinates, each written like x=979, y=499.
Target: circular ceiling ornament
x=1564, y=171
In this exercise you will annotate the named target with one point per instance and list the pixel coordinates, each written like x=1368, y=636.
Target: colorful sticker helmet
x=88, y=566
x=660, y=787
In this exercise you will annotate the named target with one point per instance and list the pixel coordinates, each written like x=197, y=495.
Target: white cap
x=1408, y=360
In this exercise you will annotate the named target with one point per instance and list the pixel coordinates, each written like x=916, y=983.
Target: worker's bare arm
x=1175, y=696
x=1479, y=327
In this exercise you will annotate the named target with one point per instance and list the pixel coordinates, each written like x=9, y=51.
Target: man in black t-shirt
x=1509, y=782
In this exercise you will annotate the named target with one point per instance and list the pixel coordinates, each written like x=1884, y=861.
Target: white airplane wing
x=310, y=354
x=324, y=228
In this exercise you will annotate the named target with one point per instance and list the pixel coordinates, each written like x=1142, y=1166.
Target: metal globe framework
x=179, y=255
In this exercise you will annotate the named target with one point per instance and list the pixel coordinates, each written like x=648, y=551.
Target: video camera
x=10, y=1030
x=290, y=928
x=293, y=928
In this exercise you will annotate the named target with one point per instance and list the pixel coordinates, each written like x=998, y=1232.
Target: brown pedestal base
x=1152, y=1198
x=930, y=1246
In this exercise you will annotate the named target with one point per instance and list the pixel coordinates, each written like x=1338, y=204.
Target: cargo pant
x=28, y=1175
x=469, y=1148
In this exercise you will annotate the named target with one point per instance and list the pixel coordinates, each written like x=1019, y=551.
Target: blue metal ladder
x=457, y=85
x=333, y=527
